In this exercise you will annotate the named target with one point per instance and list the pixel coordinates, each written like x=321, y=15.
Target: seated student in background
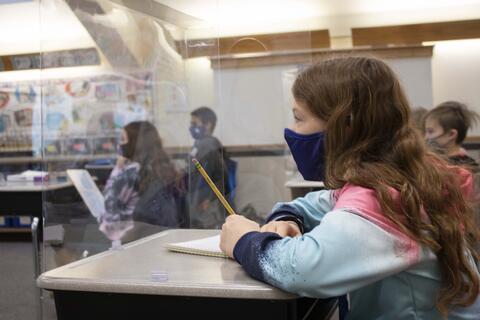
x=394, y=229
x=446, y=127
x=142, y=187
x=206, y=211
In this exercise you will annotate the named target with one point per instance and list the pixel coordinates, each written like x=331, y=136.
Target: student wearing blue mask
x=206, y=211
x=395, y=229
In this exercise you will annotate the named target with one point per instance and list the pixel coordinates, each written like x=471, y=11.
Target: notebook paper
x=88, y=190
x=205, y=247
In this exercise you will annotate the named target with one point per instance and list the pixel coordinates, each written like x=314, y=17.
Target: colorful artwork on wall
x=77, y=88
x=4, y=98
x=23, y=117
x=60, y=109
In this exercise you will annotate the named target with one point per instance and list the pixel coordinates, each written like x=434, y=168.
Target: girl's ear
x=453, y=134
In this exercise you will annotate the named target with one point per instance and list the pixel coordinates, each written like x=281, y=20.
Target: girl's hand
x=233, y=229
x=121, y=162
x=282, y=228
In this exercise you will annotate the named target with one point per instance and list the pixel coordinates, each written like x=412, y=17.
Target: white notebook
x=205, y=247
x=88, y=190
x=28, y=175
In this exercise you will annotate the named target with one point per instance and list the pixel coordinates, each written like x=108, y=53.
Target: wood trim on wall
x=255, y=43
x=313, y=56
x=416, y=33
x=472, y=139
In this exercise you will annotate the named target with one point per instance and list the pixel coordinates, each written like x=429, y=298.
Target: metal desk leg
x=36, y=263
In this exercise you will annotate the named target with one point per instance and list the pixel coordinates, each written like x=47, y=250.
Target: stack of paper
x=29, y=175
x=205, y=247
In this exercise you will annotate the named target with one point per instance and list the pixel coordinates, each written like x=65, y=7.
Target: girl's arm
x=306, y=211
x=121, y=194
x=342, y=254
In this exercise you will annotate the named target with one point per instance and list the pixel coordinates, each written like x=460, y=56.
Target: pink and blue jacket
x=350, y=247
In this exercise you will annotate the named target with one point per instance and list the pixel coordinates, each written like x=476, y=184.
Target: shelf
x=55, y=158
x=15, y=230
x=15, y=149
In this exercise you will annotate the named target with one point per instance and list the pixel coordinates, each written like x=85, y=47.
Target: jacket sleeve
x=306, y=211
x=121, y=194
x=343, y=253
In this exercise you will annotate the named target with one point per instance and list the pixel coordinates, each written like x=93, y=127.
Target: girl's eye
x=297, y=118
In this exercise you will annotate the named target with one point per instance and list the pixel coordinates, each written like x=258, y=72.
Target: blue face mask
x=197, y=132
x=308, y=151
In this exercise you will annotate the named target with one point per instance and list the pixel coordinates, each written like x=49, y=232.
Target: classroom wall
x=456, y=74
x=453, y=73
x=253, y=104
x=260, y=183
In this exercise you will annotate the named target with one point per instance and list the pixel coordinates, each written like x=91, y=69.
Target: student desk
x=300, y=187
x=118, y=284
x=19, y=198
x=25, y=198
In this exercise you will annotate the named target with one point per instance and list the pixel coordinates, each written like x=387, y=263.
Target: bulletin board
x=62, y=111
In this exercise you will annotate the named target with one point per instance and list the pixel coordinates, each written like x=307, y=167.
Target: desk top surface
x=30, y=186
x=129, y=270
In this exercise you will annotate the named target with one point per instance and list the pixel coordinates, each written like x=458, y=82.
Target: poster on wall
x=69, y=114
x=77, y=88
x=4, y=98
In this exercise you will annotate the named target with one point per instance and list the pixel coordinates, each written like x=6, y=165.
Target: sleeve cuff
x=252, y=242
x=286, y=215
x=242, y=244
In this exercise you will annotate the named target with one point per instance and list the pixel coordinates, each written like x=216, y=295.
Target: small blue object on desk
x=159, y=276
x=62, y=179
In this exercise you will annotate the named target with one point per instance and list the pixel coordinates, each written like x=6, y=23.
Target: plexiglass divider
x=117, y=137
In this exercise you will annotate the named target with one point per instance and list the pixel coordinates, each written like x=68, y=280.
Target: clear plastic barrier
x=105, y=105
x=115, y=120
x=155, y=96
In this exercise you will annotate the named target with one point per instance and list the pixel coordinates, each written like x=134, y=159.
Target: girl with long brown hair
x=394, y=228
x=143, y=187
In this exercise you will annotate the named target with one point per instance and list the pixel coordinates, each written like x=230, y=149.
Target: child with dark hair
x=205, y=209
x=446, y=127
x=143, y=186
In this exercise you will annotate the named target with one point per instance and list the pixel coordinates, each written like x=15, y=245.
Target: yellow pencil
x=213, y=186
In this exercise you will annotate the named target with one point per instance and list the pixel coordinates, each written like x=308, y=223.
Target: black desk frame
x=78, y=305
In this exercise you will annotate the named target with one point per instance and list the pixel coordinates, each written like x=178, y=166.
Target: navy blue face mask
x=197, y=132
x=308, y=151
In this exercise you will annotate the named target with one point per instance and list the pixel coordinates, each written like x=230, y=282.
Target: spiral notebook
x=204, y=247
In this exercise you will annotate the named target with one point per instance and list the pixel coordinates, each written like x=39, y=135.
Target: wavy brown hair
x=371, y=142
x=148, y=151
